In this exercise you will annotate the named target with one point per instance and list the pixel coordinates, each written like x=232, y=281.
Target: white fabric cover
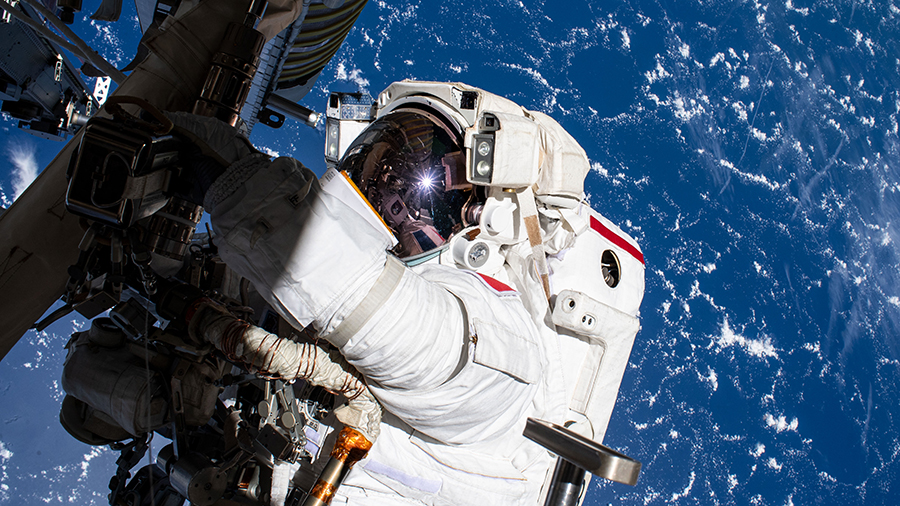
x=565, y=164
x=112, y=383
x=517, y=151
x=117, y=383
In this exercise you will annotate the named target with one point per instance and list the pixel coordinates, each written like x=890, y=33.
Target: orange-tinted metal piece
x=349, y=448
x=323, y=492
x=350, y=445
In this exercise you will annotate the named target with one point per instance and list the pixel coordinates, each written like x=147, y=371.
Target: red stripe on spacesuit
x=493, y=283
x=615, y=239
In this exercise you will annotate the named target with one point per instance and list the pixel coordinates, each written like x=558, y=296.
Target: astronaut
x=488, y=291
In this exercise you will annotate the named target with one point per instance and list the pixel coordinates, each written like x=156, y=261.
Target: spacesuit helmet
x=410, y=166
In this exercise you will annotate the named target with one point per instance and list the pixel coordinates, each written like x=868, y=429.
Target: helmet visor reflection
x=410, y=166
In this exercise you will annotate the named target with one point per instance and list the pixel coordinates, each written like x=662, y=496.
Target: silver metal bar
x=293, y=109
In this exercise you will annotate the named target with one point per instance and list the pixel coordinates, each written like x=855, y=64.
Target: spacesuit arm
x=278, y=230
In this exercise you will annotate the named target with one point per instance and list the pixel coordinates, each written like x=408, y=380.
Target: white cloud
x=603, y=172
x=732, y=482
x=269, y=151
x=5, y=454
x=657, y=74
x=687, y=490
x=781, y=423
x=761, y=347
x=353, y=75
x=712, y=378
x=626, y=40
x=88, y=457
x=759, y=450
x=25, y=167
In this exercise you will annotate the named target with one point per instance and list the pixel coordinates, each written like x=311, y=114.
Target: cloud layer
x=25, y=167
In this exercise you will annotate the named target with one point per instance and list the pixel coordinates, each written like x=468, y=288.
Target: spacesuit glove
x=215, y=138
x=214, y=147
x=200, y=173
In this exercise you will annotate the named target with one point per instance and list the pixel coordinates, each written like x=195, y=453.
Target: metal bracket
x=57, y=71
x=279, y=405
x=589, y=455
x=268, y=411
x=291, y=418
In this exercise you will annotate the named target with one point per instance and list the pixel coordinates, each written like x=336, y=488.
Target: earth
x=752, y=149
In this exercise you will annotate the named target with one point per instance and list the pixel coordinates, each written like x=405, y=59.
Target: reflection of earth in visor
x=410, y=165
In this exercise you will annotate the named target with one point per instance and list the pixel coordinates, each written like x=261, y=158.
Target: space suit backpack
x=471, y=179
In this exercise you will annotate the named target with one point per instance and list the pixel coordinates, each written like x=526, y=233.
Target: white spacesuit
x=519, y=302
